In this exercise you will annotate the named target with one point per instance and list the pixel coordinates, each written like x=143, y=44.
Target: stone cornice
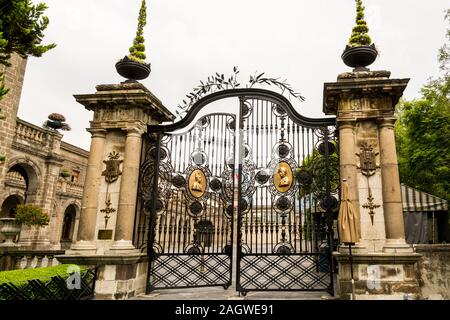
x=333, y=92
x=378, y=258
x=74, y=149
x=95, y=259
x=127, y=94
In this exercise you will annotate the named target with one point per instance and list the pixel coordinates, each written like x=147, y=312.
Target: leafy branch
x=283, y=85
x=218, y=82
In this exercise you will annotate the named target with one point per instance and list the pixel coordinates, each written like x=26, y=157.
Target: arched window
x=68, y=226
x=9, y=206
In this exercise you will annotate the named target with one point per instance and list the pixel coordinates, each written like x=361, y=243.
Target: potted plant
x=56, y=122
x=31, y=215
x=359, y=52
x=64, y=173
x=133, y=67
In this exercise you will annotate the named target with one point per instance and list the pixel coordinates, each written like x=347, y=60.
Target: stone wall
x=14, y=76
x=433, y=270
x=42, y=155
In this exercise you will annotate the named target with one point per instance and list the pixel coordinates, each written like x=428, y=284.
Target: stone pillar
x=383, y=263
x=122, y=113
x=89, y=202
x=392, y=197
x=347, y=166
x=128, y=190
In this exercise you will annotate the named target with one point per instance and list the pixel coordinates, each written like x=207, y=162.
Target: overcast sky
x=300, y=40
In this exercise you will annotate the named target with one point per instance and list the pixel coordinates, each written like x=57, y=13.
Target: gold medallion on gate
x=197, y=183
x=282, y=177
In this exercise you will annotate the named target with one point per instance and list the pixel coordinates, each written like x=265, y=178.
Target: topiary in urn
x=133, y=67
x=359, y=52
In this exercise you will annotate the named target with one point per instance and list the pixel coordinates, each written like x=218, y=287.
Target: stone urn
x=132, y=70
x=359, y=57
x=9, y=228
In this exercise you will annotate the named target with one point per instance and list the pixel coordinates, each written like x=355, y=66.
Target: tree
x=423, y=133
x=137, y=50
x=360, y=35
x=22, y=26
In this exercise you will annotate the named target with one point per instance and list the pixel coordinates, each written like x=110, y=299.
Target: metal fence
x=69, y=287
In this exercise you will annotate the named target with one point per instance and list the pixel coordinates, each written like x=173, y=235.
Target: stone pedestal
x=364, y=103
x=105, y=234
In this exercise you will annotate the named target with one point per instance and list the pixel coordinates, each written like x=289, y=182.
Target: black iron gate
x=280, y=165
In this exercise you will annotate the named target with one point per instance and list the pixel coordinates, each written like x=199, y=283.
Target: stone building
x=31, y=171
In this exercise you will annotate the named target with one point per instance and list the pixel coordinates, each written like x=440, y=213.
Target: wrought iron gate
x=261, y=183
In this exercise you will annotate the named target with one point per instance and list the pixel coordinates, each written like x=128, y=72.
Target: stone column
x=383, y=265
x=89, y=202
x=392, y=198
x=122, y=113
x=347, y=167
x=128, y=190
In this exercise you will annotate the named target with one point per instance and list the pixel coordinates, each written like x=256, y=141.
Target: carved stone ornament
x=367, y=162
x=370, y=205
x=282, y=177
x=112, y=171
x=107, y=210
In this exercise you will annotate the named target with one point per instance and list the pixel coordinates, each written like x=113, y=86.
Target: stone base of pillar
x=376, y=276
x=357, y=248
x=118, y=277
x=123, y=246
x=82, y=248
x=397, y=246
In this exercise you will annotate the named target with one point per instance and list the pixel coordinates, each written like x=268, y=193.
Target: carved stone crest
x=112, y=171
x=367, y=162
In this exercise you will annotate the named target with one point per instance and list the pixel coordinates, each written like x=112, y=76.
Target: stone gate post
x=105, y=235
x=364, y=103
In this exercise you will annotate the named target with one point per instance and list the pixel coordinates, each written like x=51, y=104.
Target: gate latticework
x=256, y=189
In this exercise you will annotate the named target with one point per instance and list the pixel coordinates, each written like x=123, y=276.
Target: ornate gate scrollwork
x=268, y=169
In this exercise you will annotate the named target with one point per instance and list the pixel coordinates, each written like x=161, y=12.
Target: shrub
x=31, y=215
x=18, y=277
x=359, y=35
x=137, y=50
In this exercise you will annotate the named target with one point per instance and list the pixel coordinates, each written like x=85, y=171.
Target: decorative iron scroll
x=286, y=232
x=284, y=186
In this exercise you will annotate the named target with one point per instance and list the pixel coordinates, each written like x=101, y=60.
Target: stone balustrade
x=16, y=258
x=70, y=188
x=15, y=179
x=31, y=133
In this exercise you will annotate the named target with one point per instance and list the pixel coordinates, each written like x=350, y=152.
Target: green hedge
x=18, y=277
x=46, y=283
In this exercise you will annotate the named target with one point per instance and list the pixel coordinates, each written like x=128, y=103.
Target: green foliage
x=360, y=35
x=2, y=158
x=315, y=165
x=64, y=173
x=22, y=26
x=3, y=89
x=423, y=134
x=444, y=51
x=423, y=140
x=19, y=277
x=31, y=215
x=137, y=50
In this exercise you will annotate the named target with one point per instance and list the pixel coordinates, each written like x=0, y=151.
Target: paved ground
x=218, y=293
